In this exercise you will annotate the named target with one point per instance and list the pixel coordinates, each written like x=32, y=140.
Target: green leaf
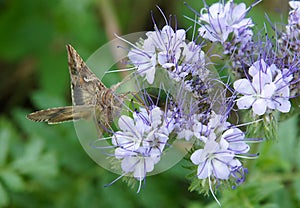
x=12, y=180
x=283, y=198
x=4, y=200
x=297, y=188
x=33, y=129
x=33, y=149
x=267, y=189
x=35, y=160
x=270, y=205
x=297, y=154
x=6, y=133
x=287, y=140
x=44, y=165
x=44, y=100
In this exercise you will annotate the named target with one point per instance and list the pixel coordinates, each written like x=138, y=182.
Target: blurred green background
x=45, y=166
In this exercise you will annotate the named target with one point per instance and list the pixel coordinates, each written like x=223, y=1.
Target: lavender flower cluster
x=194, y=104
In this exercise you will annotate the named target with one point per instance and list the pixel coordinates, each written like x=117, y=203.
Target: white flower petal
x=239, y=147
x=283, y=92
x=259, y=107
x=268, y=90
x=294, y=4
x=235, y=164
x=208, y=33
x=235, y=139
x=245, y=102
x=122, y=153
x=224, y=143
x=155, y=155
x=283, y=106
x=185, y=134
x=260, y=80
x=216, y=11
x=180, y=35
x=126, y=124
x=150, y=75
x=129, y=163
x=162, y=58
x=143, y=166
x=149, y=164
x=257, y=66
x=122, y=139
x=196, y=157
x=204, y=170
x=220, y=170
x=243, y=86
x=239, y=11
x=233, y=132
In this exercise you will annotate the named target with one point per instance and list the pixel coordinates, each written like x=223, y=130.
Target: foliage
x=45, y=166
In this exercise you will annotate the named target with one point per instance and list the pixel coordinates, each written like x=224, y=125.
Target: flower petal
x=257, y=66
x=196, y=157
x=268, y=90
x=204, y=170
x=243, y=86
x=245, y=102
x=126, y=123
x=283, y=105
x=259, y=107
x=220, y=170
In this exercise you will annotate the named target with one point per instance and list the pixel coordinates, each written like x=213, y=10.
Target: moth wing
x=62, y=114
x=85, y=85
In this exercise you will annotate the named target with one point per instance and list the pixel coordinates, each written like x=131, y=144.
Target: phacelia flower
x=167, y=49
x=289, y=41
x=268, y=89
x=161, y=47
x=235, y=141
x=293, y=25
x=222, y=144
x=212, y=160
x=219, y=21
x=140, y=141
x=218, y=158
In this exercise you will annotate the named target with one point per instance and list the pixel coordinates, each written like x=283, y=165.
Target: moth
x=90, y=97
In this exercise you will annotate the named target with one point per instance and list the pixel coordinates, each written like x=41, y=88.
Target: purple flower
x=145, y=62
x=141, y=141
x=160, y=48
x=167, y=49
x=191, y=62
x=293, y=26
x=268, y=89
x=234, y=140
x=212, y=160
x=218, y=158
x=221, y=20
x=221, y=144
x=216, y=125
x=138, y=162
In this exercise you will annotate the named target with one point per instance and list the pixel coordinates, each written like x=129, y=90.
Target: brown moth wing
x=90, y=97
x=85, y=85
x=61, y=114
x=87, y=89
